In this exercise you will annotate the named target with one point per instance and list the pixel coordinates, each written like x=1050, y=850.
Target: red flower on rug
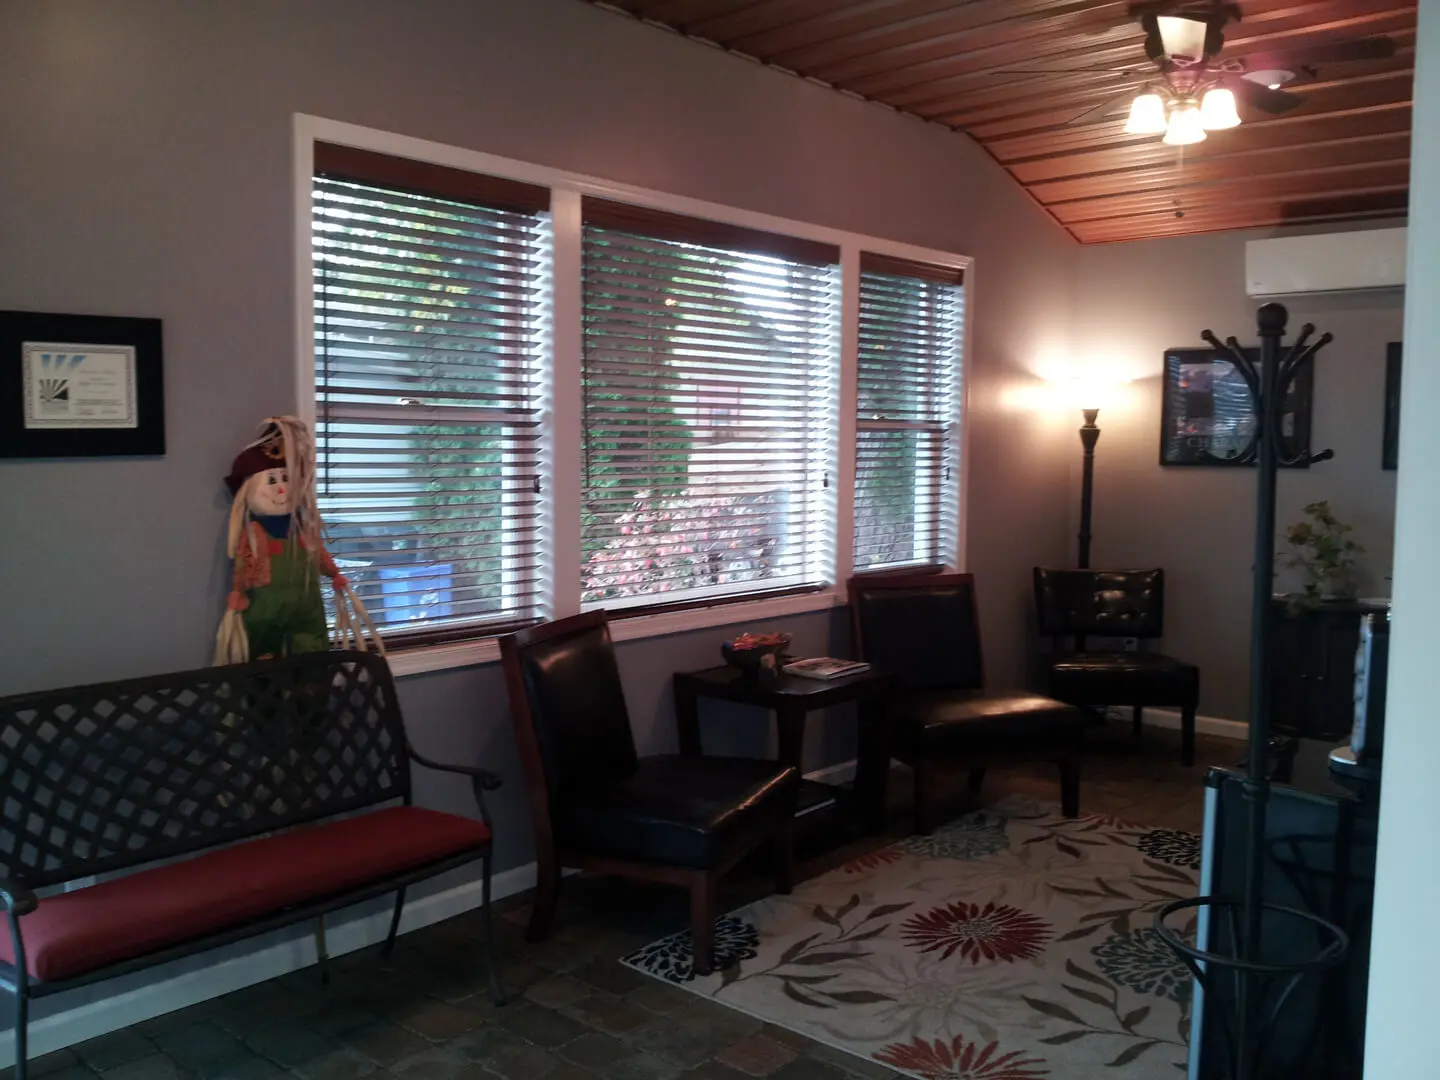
x=873, y=860
x=994, y=932
x=960, y=1060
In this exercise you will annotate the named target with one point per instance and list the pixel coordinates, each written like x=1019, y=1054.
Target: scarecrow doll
x=275, y=607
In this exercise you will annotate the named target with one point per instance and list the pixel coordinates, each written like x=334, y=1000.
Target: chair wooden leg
x=547, y=893
x=1187, y=734
x=924, y=797
x=1070, y=785
x=1138, y=719
x=703, y=888
x=782, y=851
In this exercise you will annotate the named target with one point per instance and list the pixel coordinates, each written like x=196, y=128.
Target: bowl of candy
x=755, y=654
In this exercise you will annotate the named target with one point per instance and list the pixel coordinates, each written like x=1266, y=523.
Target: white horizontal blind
x=430, y=360
x=907, y=424
x=709, y=387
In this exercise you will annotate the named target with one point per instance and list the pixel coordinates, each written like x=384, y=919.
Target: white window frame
x=561, y=416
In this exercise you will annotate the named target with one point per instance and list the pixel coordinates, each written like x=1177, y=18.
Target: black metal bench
x=275, y=792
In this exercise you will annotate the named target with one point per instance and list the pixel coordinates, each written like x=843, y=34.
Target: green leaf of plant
x=1065, y=1037
x=1130, y=1019
x=1059, y=1012
x=797, y=948
x=809, y=980
x=1089, y=976
x=849, y=906
x=824, y=916
x=1088, y=995
x=1079, y=932
x=796, y=995
x=1110, y=890
x=885, y=909
x=873, y=932
x=826, y=957
x=1062, y=846
x=857, y=997
x=1130, y=1053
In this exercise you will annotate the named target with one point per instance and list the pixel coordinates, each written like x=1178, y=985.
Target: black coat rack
x=1246, y=988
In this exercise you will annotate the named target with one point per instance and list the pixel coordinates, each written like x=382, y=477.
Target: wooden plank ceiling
x=1341, y=155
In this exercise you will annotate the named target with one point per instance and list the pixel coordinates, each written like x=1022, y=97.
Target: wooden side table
x=792, y=698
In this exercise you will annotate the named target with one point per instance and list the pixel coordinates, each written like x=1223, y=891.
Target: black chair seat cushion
x=1123, y=678
x=970, y=721
x=692, y=812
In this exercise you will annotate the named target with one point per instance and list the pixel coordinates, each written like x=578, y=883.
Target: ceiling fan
x=1196, y=88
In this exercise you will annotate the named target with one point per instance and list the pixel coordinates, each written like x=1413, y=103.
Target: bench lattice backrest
x=105, y=777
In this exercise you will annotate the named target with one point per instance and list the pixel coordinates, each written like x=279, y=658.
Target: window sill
x=462, y=654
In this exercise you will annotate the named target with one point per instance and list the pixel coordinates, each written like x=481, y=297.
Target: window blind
x=709, y=372
x=907, y=423
x=431, y=299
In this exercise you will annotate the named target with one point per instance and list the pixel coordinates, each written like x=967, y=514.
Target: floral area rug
x=1012, y=944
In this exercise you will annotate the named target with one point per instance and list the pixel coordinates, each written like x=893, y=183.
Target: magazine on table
x=825, y=667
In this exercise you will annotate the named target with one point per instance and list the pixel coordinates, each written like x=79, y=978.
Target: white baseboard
x=167, y=993
x=1205, y=725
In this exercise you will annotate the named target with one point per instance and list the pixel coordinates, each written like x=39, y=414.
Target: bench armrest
x=482, y=780
x=16, y=898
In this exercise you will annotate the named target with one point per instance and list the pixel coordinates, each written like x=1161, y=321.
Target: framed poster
x=1207, y=415
x=1390, y=451
x=80, y=385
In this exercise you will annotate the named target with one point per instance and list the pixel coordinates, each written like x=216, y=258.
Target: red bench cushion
x=80, y=931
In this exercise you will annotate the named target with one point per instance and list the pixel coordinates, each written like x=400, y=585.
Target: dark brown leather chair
x=599, y=806
x=923, y=629
x=1072, y=605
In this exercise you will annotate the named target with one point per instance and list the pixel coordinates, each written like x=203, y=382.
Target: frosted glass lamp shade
x=1147, y=116
x=1181, y=37
x=1217, y=110
x=1186, y=127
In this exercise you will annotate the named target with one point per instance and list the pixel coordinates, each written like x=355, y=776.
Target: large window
x=907, y=413
x=537, y=393
x=710, y=361
x=430, y=346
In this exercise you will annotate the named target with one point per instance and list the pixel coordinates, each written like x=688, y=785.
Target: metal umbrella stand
x=1243, y=986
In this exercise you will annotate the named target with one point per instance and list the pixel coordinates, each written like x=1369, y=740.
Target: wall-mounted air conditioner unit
x=1325, y=263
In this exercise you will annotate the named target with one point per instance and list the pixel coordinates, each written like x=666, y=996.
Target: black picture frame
x=1390, y=448
x=140, y=431
x=1207, y=415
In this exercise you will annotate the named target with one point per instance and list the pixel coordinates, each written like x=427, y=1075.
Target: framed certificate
x=80, y=386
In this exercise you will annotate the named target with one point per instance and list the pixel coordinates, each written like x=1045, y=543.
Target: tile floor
x=575, y=1014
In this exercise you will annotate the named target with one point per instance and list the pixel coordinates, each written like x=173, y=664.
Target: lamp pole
x=1089, y=436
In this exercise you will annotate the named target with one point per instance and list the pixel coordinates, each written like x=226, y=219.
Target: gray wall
x=1135, y=300
x=148, y=172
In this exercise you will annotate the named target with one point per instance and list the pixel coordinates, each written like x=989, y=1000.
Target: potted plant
x=1321, y=549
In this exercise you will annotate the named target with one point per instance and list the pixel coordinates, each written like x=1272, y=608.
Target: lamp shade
x=1186, y=126
x=1147, y=116
x=1217, y=110
x=1182, y=38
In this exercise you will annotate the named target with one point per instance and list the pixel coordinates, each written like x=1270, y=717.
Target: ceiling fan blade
x=1072, y=71
x=1263, y=98
x=1373, y=48
x=1103, y=108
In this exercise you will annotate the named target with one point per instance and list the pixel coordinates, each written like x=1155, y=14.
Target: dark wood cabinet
x=1312, y=668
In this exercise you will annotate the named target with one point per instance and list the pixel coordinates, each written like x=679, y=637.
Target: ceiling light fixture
x=1217, y=109
x=1147, y=115
x=1183, y=39
x=1186, y=126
